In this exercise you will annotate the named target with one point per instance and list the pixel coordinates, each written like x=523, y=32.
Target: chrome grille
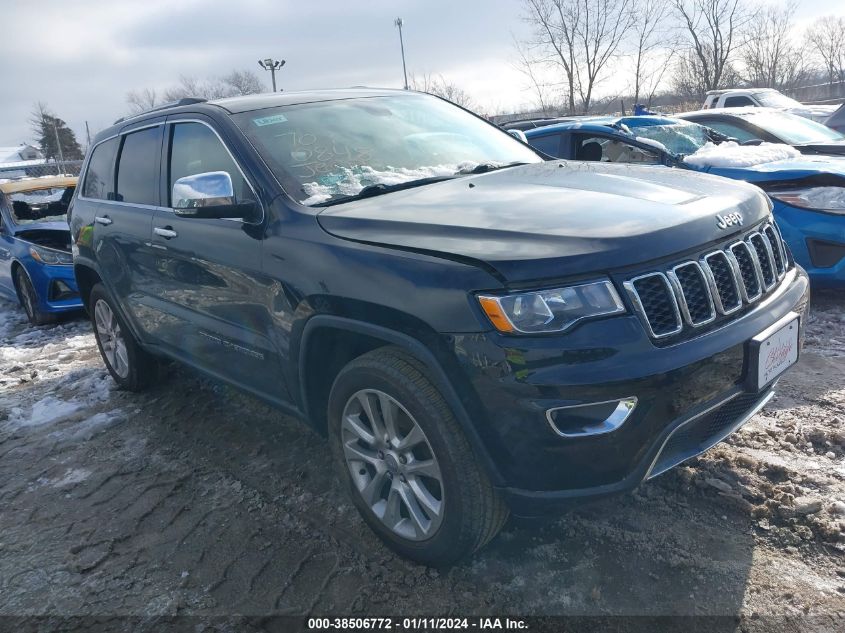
x=765, y=257
x=749, y=270
x=694, y=298
x=695, y=293
x=724, y=285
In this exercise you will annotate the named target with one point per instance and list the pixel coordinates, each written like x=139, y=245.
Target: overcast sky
x=80, y=57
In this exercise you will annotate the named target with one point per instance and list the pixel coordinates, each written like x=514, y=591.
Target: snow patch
x=732, y=154
x=354, y=179
x=46, y=411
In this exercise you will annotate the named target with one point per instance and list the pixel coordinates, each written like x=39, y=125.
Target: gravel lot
x=195, y=499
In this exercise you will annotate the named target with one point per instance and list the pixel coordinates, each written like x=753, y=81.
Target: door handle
x=165, y=232
x=104, y=220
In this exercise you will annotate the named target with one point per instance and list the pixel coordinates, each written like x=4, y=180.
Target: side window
x=738, y=102
x=599, y=148
x=729, y=129
x=99, y=179
x=196, y=149
x=548, y=144
x=137, y=168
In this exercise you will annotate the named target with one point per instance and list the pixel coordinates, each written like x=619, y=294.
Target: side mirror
x=209, y=195
x=519, y=134
x=752, y=141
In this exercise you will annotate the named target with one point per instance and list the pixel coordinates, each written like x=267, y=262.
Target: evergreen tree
x=47, y=129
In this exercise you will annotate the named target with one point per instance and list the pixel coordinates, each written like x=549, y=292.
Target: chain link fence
x=39, y=169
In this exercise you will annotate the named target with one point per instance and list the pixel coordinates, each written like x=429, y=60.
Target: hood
x=554, y=219
x=21, y=229
x=819, y=113
x=833, y=148
x=805, y=166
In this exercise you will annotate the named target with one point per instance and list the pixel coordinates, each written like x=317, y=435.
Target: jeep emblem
x=730, y=219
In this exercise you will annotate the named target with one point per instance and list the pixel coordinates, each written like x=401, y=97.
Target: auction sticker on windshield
x=776, y=351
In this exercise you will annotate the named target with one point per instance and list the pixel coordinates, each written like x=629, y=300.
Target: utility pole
x=398, y=22
x=87, y=136
x=272, y=65
x=59, y=148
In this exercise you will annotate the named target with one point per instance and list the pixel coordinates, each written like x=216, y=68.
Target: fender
x=84, y=262
x=421, y=353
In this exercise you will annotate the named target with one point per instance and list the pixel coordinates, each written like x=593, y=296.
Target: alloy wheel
x=392, y=464
x=111, y=338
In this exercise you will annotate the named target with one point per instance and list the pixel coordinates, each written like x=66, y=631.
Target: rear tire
x=29, y=300
x=426, y=497
x=131, y=367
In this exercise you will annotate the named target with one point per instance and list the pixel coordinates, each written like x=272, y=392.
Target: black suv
x=476, y=330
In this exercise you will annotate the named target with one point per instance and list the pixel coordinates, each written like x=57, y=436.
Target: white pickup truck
x=768, y=98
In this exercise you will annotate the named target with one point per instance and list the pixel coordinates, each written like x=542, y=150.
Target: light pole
x=398, y=22
x=272, y=65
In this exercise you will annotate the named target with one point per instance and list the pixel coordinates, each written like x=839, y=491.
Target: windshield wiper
x=485, y=167
x=380, y=188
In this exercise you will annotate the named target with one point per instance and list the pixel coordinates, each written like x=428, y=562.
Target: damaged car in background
x=36, y=266
x=808, y=191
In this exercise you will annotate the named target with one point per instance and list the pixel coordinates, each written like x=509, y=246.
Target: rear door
x=122, y=187
x=208, y=271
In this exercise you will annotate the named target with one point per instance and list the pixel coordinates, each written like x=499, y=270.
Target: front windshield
x=776, y=100
x=41, y=205
x=793, y=129
x=331, y=150
x=679, y=138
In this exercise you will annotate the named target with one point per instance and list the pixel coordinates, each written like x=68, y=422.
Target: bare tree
x=237, y=82
x=653, y=48
x=605, y=24
x=140, y=100
x=770, y=59
x=714, y=30
x=244, y=82
x=531, y=68
x=580, y=38
x=827, y=39
x=439, y=86
x=201, y=88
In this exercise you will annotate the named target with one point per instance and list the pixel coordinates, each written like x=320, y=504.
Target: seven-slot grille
x=694, y=293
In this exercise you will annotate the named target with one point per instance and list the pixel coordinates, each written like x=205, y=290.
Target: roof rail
x=164, y=106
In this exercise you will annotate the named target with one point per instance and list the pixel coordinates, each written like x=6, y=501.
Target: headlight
x=819, y=198
x=555, y=310
x=50, y=256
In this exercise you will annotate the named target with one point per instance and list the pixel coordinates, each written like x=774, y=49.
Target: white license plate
x=777, y=353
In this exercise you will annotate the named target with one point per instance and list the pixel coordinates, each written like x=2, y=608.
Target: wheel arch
x=325, y=332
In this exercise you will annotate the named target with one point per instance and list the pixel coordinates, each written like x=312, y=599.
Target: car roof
x=723, y=91
x=35, y=184
x=741, y=111
x=246, y=103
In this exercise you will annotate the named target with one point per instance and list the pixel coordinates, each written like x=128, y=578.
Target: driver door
x=212, y=294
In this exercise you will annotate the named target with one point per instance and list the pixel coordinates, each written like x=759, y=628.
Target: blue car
x=36, y=266
x=808, y=191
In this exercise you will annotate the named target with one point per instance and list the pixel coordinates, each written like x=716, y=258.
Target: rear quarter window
x=99, y=178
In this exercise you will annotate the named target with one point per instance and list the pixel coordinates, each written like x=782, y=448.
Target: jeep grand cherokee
x=476, y=330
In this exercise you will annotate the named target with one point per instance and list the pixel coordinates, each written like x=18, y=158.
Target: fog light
x=594, y=418
x=60, y=291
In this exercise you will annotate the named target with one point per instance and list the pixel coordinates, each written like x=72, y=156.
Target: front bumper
x=801, y=228
x=690, y=396
x=55, y=286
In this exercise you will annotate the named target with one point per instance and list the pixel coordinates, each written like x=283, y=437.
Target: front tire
x=29, y=300
x=408, y=466
x=131, y=367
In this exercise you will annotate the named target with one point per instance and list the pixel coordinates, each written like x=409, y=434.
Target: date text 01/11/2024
x=417, y=624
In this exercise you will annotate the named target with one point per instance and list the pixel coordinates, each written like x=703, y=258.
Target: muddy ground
x=195, y=499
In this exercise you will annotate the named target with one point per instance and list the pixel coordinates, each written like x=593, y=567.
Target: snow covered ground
x=194, y=499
